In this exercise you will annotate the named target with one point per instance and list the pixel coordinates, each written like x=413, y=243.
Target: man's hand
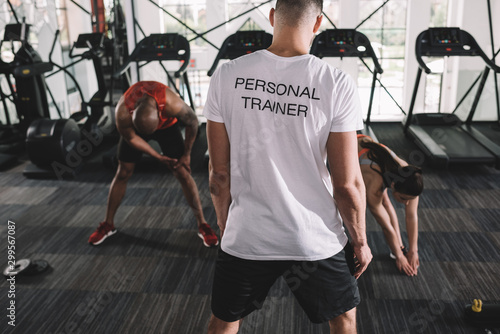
x=364, y=256
x=184, y=161
x=169, y=162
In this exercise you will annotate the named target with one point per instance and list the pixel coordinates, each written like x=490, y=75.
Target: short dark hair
x=294, y=9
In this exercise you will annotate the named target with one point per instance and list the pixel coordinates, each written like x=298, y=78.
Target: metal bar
x=13, y=11
x=188, y=88
x=369, y=16
x=65, y=70
x=182, y=23
x=140, y=28
x=331, y=22
x=135, y=35
x=234, y=18
x=79, y=6
x=382, y=85
x=495, y=76
x=370, y=103
x=62, y=68
x=478, y=95
x=171, y=80
x=413, y=98
x=467, y=92
x=6, y=110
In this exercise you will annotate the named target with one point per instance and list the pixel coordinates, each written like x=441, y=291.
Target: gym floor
x=154, y=275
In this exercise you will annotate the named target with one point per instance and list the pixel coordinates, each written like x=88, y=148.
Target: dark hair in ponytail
x=407, y=180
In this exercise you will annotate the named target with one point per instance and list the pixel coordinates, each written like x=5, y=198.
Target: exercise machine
x=443, y=136
x=57, y=147
x=157, y=48
x=340, y=43
x=239, y=44
x=27, y=93
x=160, y=48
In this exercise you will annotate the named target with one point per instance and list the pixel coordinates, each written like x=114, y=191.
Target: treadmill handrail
x=135, y=56
x=219, y=55
x=358, y=36
x=227, y=52
x=53, y=45
x=423, y=39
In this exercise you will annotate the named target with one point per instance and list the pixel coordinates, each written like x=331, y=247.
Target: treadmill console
x=441, y=42
x=250, y=41
x=341, y=43
x=160, y=47
x=339, y=37
x=240, y=44
x=445, y=37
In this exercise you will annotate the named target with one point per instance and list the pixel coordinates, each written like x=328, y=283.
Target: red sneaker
x=103, y=231
x=208, y=236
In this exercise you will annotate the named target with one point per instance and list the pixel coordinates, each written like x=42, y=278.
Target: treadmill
x=162, y=47
x=240, y=44
x=340, y=43
x=443, y=137
x=487, y=133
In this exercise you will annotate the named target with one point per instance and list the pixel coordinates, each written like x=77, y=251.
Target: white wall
x=472, y=16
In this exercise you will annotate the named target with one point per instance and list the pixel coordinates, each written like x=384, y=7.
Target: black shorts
x=324, y=289
x=169, y=139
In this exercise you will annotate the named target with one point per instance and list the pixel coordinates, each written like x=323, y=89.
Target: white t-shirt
x=278, y=112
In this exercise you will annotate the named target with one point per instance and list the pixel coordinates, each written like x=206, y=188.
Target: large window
x=386, y=30
x=331, y=14
x=191, y=12
x=433, y=81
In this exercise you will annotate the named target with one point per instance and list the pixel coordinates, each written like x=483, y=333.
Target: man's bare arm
x=219, y=171
x=176, y=107
x=126, y=129
x=349, y=192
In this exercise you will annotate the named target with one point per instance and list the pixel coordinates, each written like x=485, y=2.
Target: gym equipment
x=160, y=48
x=241, y=43
x=340, y=43
x=443, y=137
x=490, y=130
x=19, y=267
x=57, y=147
x=482, y=315
x=28, y=71
x=163, y=47
x=26, y=267
x=28, y=94
x=49, y=141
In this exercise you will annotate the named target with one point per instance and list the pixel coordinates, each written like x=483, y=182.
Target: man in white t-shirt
x=274, y=118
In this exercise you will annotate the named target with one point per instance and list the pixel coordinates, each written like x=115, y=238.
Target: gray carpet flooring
x=154, y=275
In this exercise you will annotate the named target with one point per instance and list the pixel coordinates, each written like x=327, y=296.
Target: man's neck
x=289, y=44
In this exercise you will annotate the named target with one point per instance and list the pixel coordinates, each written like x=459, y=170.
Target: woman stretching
x=383, y=170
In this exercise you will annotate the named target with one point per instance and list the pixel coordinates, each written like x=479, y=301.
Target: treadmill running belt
x=457, y=144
